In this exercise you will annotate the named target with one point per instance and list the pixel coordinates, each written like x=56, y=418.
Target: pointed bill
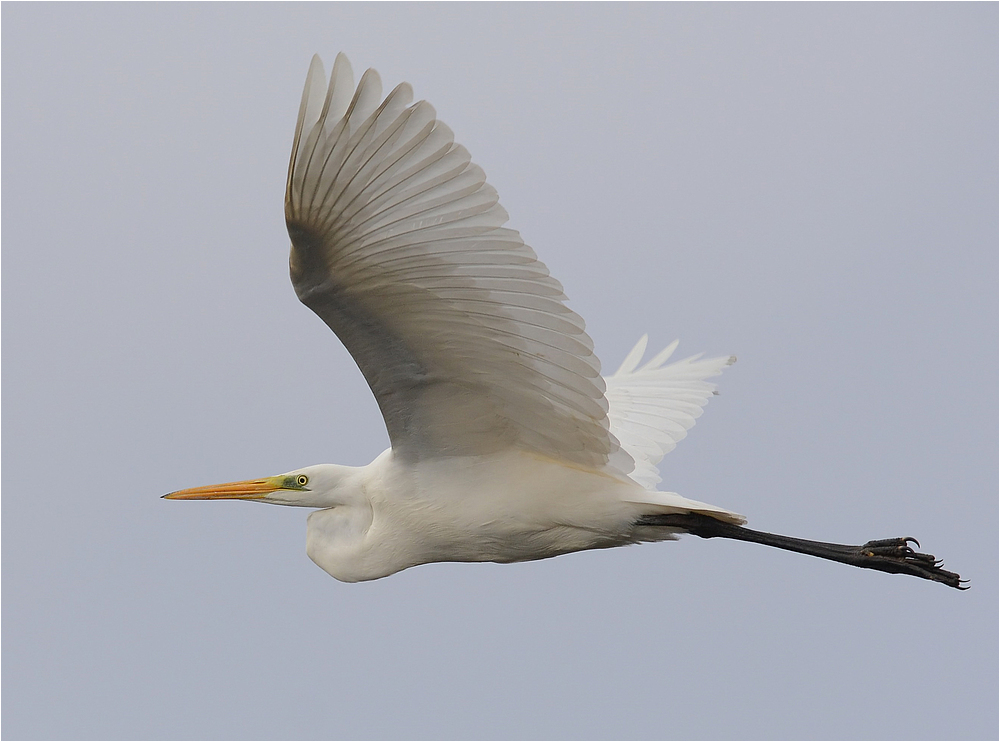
x=250, y=489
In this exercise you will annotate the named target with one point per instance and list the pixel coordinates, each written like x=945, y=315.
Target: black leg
x=886, y=555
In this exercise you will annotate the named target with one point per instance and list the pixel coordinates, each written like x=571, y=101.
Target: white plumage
x=650, y=409
x=507, y=444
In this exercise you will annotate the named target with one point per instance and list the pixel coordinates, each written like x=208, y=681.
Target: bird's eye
x=302, y=480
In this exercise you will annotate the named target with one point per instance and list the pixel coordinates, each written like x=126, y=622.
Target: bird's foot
x=897, y=556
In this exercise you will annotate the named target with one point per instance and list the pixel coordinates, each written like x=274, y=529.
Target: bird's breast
x=505, y=507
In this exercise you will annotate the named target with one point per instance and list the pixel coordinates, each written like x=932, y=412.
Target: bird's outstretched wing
x=398, y=245
x=652, y=408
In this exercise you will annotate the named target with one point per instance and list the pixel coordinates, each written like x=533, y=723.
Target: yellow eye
x=302, y=480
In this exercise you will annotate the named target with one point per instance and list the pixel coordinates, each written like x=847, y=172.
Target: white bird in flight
x=507, y=445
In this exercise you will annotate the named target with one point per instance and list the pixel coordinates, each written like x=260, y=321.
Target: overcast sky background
x=810, y=187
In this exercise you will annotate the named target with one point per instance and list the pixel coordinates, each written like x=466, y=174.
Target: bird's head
x=312, y=487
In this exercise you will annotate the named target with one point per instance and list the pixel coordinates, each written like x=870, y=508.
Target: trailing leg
x=886, y=555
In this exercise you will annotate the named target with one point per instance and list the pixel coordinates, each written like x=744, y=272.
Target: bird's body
x=508, y=507
x=507, y=443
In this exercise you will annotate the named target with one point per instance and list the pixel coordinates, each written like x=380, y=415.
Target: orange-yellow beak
x=250, y=489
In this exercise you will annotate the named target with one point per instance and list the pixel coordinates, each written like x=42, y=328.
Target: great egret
x=507, y=445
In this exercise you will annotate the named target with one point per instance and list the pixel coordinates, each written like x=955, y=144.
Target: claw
x=896, y=555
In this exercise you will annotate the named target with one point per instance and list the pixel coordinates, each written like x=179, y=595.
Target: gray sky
x=810, y=187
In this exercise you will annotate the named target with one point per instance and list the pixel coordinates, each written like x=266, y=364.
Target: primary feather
x=652, y=408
